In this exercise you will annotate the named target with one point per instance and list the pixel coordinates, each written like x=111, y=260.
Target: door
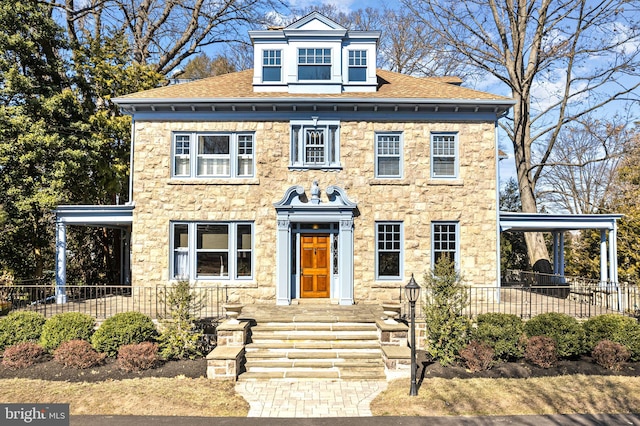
x=314, y=261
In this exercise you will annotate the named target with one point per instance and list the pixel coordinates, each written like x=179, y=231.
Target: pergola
x=558, y=224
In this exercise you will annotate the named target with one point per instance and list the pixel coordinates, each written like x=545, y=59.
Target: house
x=312, y=175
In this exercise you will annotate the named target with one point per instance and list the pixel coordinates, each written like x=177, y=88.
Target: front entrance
x=315, y=272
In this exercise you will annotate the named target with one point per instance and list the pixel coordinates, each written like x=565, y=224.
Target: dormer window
x=272, y=65
x=314, y=64
x=357, y=65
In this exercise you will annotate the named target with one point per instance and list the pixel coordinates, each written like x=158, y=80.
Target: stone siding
x=415, y=199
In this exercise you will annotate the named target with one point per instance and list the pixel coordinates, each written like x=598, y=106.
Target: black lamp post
x=412, y=291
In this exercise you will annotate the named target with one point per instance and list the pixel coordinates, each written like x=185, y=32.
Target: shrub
x=477, y=356
x=541, y=351
x=77, y=354
x=22, y=355
x=180, y=337
x=18, y=327
x=447, y=329
x=140, y=356
x=566, y=331
x=610, y=355
x=502, y=332
x=64, y=327
x=617, y=328
x=121, y=329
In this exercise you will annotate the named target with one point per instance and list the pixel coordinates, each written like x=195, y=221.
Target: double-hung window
x=314, y=64
x=389, y=250
x=315, y=144
x=444, y=155
x=271, y=65
x=388, y=153
x=444, y=241
x=212, y=250
x=357, y=65
x=215, y=155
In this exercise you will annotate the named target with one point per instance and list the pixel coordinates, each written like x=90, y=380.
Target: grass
x=489, y=397
x=436, y=397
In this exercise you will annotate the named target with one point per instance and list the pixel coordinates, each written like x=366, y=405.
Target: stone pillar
x=283, y=259
x=61, y=262
x=345, y=259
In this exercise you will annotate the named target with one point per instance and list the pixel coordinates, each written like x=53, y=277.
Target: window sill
x=320, y=168
x=445, y=182
x=213, y=181
x=389, y=181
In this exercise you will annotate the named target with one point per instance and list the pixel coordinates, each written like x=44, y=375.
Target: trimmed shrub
x=125, y=328
x=566, y=331
x=502, y=332
x=77, y=354
x=477, y=356
x=18, y=327
x=141, y=356
x=541, y=351
x=447, y=329
x=64, y=327
x=610, y=355
x=617, y=328
x=22, y=355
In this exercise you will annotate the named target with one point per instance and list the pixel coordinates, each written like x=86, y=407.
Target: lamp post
x=412, y=291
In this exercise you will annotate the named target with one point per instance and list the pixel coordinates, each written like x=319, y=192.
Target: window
x=388, y=156
x=444, y=156
x=444, y=241
x=212, y=250
x=271, y=65
x=213, y=155
x=357, y=65
x=388, y=250
x=314, y=64
x=315, y=145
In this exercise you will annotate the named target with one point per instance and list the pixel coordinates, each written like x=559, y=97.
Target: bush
x=141, y=356
x=19, y=327
x=22, y=355
x=123, y=329
x=610, y=355
x=541, y=351
x=64, y=327
x=502, y=332
x=617, y=328
x=566, y=331
x=446, y=328
x=77, y=354
x=180, y=337
x=477, y=356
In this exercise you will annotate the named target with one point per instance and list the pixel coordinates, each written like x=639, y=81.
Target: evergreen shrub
x=565, y=330
x=502, y=332
x=124, y=328
x=64, y=327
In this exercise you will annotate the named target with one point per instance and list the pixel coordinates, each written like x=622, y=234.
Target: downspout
x=498, y=257
x=133, y=138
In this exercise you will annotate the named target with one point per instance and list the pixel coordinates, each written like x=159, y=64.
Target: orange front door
x=314, y=262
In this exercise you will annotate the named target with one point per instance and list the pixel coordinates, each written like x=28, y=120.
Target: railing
x=103, y=301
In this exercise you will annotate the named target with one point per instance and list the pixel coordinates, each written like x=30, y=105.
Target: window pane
x=389, y=264
x=244, y=237
x=245, y=155
x=271, y=74
x=443, y=166
x=357, y=74
x=213, y=237
x=389, y=249
x=212, y=264
x=180, y=251
x=180, y=236
x=213, y=144
x=213, y=166
x=314, y=72
x=314, y=146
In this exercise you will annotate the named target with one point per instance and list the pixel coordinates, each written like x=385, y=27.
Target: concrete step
x=314, y=374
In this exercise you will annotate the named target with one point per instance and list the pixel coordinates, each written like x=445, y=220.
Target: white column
x=125, y=253
x=556, y=261
x=283, y=263
x=345, y=261
x=561, y=255
x=603, y=257
x=61, y=262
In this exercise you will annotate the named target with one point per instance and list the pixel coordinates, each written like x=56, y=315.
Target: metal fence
x=104, y=301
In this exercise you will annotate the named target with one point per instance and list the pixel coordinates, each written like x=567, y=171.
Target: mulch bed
x=51, y=370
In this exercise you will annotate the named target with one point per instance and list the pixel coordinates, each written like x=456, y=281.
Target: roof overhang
x=540, y=222
x=120, y=216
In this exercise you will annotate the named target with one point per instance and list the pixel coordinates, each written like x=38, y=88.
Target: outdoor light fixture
x=412, y=291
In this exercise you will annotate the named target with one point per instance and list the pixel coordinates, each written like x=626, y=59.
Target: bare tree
x=580, y=172
x=561, y=60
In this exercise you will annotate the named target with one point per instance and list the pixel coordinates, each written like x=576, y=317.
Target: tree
x=202, y=66
x=560, y=60
x=513, y=249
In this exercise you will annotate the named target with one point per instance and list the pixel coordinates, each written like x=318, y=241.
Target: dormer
x=314, y=55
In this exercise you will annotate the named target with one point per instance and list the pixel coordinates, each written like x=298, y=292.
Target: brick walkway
x=309, y=398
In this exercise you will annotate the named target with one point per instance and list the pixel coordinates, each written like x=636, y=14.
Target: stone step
x=261, y=365
x=312, y=354
x=314, y=374
x=259, y=336
x=325, y=344
x=306, y=326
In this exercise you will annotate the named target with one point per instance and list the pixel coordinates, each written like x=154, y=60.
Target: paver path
x=309, y=398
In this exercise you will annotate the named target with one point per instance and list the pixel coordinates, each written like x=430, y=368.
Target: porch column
x=345, y=248
x=556, y=260
x=125, y=254
x=283, y=258
x=561, y=255
x=603, y=257
x=61, y=262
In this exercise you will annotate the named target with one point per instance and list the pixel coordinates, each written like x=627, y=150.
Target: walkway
x=309, y=398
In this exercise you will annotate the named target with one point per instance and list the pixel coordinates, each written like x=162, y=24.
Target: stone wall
x=415, y=199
